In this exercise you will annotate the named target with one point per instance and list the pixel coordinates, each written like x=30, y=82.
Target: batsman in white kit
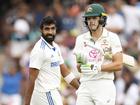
x=93, y=51
x=46, y=67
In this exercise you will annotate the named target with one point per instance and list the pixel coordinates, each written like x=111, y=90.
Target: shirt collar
x=49, y=45
x=104, y=34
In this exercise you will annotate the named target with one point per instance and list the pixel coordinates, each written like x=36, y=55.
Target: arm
x=116, y=65
x=65, y=73
x=78, y=67
x=33, y=73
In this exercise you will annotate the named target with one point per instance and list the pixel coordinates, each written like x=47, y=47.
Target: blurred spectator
x=131, y=15
x=80, y=24
x=130, y=95
x=69, y=18
x=20, y=38
x=10, y=92
x=115, y=21
x=19, y=31
x=133, y=47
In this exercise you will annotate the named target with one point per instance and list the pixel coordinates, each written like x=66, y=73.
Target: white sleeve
x=36, y=58
x=61, y=60
x=115, y=44
x=78, y=46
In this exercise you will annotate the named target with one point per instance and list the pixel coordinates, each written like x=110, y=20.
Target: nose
x=50, y=31
x=91, y=21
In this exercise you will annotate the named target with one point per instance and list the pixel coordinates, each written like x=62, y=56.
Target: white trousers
x=99, y=92
x=52, y=97
x=14, y=99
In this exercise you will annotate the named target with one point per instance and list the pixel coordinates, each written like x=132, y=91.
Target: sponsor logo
x=89, y=9
x=54, y=64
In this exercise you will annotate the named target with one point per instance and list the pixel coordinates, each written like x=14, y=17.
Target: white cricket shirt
x=47, y=59
x=108, y=42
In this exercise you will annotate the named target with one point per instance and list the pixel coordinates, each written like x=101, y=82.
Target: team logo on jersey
x=95, y=55
x=106, y=46
x=52, y=56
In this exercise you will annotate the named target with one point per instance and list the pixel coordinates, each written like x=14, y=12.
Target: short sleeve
x=116, y=44
x=61, y=58
x=78, y=46
x=36, y=58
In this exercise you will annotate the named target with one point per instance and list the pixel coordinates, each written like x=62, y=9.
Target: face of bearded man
x=49, y=38
x=48, y=33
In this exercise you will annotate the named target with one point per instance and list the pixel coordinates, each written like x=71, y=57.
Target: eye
x=53, y=28
x=46, y=28
x=94, y=18
x=49, y=28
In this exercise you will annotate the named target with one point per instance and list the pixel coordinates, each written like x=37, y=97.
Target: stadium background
x=19, y=30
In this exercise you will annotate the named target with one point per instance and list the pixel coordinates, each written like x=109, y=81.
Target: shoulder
x=38, y=46
x=83, y=36
x=56, y=45
x=38, y=43
x=112, y=35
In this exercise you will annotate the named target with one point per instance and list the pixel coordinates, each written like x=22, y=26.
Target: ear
x=40, y=30
x=85, y=21
x=102, y=20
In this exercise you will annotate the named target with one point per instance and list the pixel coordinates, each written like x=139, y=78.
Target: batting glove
x=90, y=68
x=107, y=55
x=96, y=68
x=81, y=58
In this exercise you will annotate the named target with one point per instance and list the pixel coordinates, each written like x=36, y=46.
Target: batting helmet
x=96, y=10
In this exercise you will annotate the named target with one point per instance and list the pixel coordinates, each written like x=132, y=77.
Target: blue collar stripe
x=47, y=44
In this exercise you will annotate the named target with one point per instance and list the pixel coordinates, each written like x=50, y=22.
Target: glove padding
x=107, y=55
x=88, y=68
x=90, y=61
x=81, y=58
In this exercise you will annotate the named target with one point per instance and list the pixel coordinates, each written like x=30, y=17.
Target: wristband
x=69, y=77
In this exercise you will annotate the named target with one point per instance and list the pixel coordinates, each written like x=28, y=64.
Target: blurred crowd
x=19, y=30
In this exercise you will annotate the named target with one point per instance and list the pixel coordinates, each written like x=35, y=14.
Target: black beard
x=49, y=38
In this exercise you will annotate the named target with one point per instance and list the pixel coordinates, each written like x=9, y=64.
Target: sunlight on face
x=93, y=22
x=49, y=29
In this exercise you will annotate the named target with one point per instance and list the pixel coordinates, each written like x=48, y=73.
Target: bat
x=129, y=60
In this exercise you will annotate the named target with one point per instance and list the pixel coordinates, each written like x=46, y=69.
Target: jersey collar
x=104, y=34
x=48, y=45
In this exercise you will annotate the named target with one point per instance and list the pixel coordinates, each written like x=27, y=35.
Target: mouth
x=92, y=25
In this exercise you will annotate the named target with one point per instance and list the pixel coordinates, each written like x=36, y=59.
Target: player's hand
x=96, y=68
x=81, y=58
x=85, y=68
x=107, y=55
x=90, y=68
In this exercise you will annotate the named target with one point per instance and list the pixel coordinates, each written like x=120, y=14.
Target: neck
x=96, y=34
x=51, y=43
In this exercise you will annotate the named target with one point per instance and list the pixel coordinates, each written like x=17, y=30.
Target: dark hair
x=47, y=21
x=102, y=20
